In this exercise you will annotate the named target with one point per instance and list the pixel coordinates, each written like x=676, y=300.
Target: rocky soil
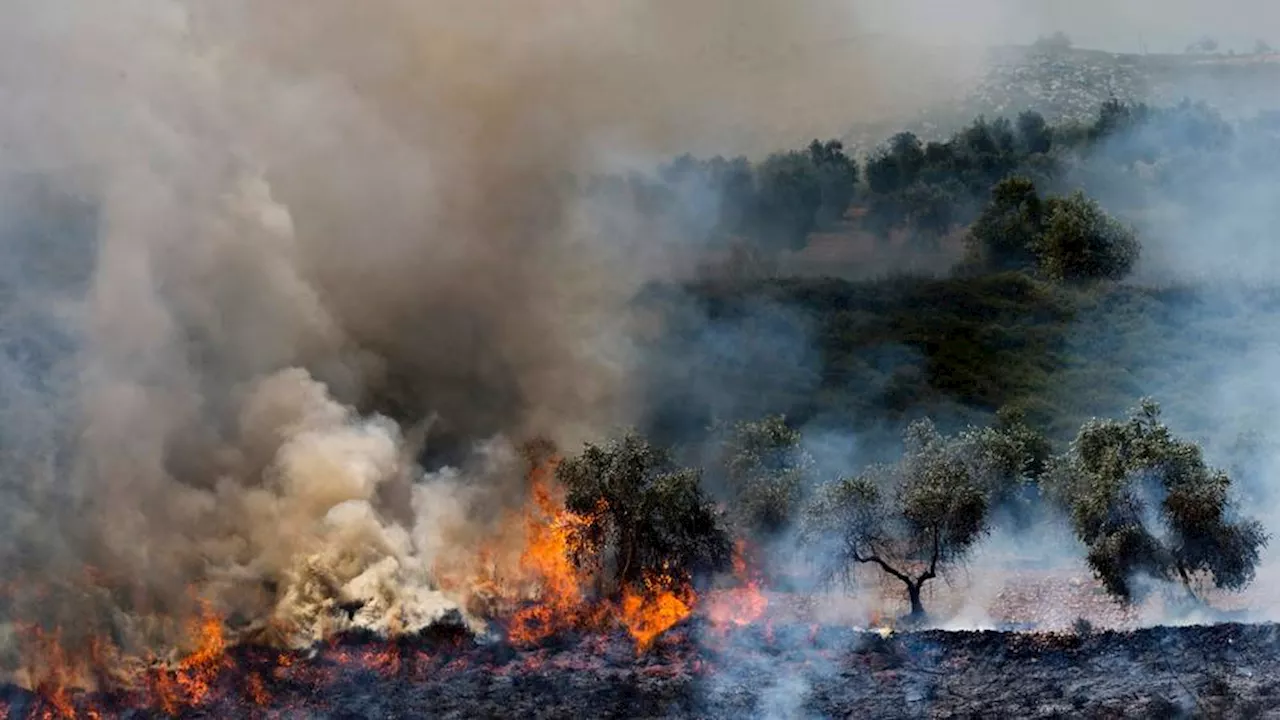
x=794, y=671
x=1070, y=85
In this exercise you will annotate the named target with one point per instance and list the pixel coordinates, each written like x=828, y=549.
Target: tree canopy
x=765, y=472
x=1080, y=241
x=912, y=518
x=644, y=516
x=1067, y=239
x=1145, y=504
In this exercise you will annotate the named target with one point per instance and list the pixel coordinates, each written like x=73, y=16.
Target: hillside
x=1069, y=85
x=959, y=349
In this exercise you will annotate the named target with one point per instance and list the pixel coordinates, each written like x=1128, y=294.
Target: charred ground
x=1023, y=323
x=1227, y=670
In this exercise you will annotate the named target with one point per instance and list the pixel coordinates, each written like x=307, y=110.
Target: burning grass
x=557, y=590
x=792, y=669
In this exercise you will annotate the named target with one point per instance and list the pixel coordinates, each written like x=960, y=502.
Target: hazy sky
x=1119, y=25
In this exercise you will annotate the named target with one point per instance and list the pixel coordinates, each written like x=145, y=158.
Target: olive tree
x=1145, y=503
x=641, y=515
x=765, y=470
x=1005, y=234
x=1081, y=241
x=912, y=518
x=1067, y=238
x=789, y=198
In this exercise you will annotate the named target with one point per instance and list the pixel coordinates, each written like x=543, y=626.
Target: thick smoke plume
x=264, y=261
x=270, y=256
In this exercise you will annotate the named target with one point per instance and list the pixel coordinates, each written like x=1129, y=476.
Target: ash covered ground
x=1227, y=670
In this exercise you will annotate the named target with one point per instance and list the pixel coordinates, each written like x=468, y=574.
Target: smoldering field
x=272, y=257
x=286, y=285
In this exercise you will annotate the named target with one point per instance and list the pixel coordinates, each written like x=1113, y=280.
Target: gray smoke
x=261, y=256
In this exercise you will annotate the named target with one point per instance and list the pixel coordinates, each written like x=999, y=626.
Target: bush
x=1068, y=239
x=1080, y=241
x=1005, y=235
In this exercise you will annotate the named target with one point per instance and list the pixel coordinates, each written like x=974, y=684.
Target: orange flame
x=535, y=557
x=550, y=537
x=258, y=691
x=189, y=685
x=739, y=606
x=52, y=680
x=548, y=559
x=652, y=611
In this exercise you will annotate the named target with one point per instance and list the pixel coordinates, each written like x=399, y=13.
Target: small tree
x=911, y=518
x=896, y=166
x=790, y=195
x=1082, y=242
x=1057, y=42
x=1034, y=133
x=643, y=516
x=1013, y=456
x=837, y=178
x=1145, y=503
x=1204, y=46
x=765, y=470
x=931, y=210
x=1005, y=235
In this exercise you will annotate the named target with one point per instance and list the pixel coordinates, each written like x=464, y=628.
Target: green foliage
x=915, y=516
x=1004, y=235
x=1070, y=239
x=896, y=348
x=1145, y=504
x=645, y=516
x=776, y=203
x=928, y=189
x=1034, y=133
x=934, y=187
x=789, y=200
x=890, y=350
x=1012, y=456
x=931, y=210
x=1080, y=241
x=837, y=179
x=897, y=166
x=1115, y=117
x=765, y=473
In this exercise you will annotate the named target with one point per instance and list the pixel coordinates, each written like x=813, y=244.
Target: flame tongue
x=653, y=610
x=542, y=594
x=552, y=538
x=738, y=606
x=190, y=683
x=548, y=559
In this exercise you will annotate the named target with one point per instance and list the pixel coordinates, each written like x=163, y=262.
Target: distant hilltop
x=1067, y=84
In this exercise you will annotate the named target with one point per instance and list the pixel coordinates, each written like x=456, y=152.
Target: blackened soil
x=1228, y=671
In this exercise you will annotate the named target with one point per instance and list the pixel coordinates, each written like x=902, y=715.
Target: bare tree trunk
x=913, y=593
x=1186, y=584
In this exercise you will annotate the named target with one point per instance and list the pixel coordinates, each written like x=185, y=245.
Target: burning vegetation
x=584, y=571
x=615, y=542
x=287, y=285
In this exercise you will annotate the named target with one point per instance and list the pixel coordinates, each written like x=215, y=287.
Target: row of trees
x=927, y=190
x=1142, y=501
x=774, y=204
